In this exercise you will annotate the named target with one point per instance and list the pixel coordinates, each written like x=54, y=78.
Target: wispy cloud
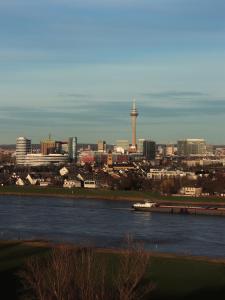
x=73, y=95
x=175, y=94
x=109, y=113
x=75, y=64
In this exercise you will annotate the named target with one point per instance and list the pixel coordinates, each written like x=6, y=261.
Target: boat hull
x=184, y=210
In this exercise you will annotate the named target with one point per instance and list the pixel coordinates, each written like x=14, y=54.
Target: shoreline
x=89, y=196
x=74, y=196
x=154, y=254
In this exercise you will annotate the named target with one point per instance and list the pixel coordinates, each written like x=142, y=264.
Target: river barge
x=179, y=209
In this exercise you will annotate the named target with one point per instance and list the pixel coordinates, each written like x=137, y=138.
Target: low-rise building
x=191, y=191
x=31, y=180
x=44, y=160
x=20, y=182
x=90, y=184
x=158, y=174
x=63, y=171
x=71, y=184
x=203, y=162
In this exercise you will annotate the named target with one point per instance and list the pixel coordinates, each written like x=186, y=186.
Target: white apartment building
x=44, y=160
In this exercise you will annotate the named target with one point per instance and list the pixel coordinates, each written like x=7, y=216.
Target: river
x=106, y=223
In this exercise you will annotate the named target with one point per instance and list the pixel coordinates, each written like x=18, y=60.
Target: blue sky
x=72, y=67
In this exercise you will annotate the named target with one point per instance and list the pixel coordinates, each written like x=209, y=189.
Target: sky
x=72, y=68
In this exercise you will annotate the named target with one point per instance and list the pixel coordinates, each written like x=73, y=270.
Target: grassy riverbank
x=175, y=277
x=105, y=194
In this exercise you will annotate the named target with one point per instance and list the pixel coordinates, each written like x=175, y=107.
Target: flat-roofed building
x=191, y=191
x=191, y=147
x=149, y=149
x=169, y=150
x=102, y=146
x=90, y=184
x=140, y=144
x=44, y=160
x=48, y=147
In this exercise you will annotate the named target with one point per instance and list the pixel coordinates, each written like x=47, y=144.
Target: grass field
x=175, y=277
x=103, y=194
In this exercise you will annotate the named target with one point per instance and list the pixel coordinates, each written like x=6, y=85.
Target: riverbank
x=103, y=194
x=175, y=277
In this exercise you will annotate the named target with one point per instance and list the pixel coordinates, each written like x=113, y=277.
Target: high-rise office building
x=102, y=146
x=23, y=147
x=134, y=115
x=48, y=147
x=191, y=147
x=72, y=148
x=140, y=144
x=149, y=149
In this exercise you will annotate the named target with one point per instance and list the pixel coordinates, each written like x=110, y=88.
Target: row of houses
x=66, y=183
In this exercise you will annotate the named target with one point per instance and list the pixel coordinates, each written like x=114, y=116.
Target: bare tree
x=132, y=268
x=33, y=279
x=90, y=275
x=67, y=273
x=60, y=272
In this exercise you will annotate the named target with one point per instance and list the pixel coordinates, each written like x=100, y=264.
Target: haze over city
x=72, y=68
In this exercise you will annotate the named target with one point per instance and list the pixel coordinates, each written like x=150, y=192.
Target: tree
x=67, y=273
x=132, y=267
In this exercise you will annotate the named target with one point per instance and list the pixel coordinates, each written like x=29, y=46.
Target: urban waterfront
x=106, y=223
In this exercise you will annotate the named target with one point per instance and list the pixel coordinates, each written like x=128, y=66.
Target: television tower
x=134, y=114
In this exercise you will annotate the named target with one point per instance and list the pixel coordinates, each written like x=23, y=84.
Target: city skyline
x=72, y=68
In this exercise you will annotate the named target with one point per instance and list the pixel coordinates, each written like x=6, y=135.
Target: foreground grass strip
x=175, y=277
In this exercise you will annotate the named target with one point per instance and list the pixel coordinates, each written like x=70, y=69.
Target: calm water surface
x=106, y=223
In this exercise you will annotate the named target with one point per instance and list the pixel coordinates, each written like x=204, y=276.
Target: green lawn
x=74, y=191
x=175, y=277
x=102, y=193
x=12, y=257
x=179, y=278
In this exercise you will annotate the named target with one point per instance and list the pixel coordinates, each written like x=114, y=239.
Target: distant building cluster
x=51, y=152
x=192, y=151
x=59, y=152
x=189, y=167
